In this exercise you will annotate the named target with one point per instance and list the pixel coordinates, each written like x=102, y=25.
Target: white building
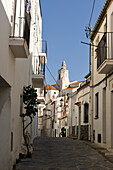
x=56, y=102
x=102, y=77
x=81, y=122
x=38, y=49
x=18, y=44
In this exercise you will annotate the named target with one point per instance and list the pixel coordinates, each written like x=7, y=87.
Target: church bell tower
x=63, y=77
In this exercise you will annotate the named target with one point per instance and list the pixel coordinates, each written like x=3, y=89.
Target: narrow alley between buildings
x=64, y=154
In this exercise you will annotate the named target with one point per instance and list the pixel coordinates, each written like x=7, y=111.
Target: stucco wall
x=16, y=73
x=5, y=117
x=103, y=124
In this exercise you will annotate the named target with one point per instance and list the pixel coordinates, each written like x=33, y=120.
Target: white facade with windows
x=101, y=78
x=78, y=116
x=17, y=46
x=57, y=103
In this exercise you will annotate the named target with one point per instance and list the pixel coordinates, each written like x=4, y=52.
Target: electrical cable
x=52, y=76
x=88, y=27
x=92, y=12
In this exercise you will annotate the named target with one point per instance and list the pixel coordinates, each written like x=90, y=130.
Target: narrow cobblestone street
x=63, y=154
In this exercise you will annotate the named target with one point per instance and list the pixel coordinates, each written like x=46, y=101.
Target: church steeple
x=63, y=77
x=64, y=65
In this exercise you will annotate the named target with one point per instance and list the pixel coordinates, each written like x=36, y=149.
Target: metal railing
x=27, y=27
x=102, y=50
x=42, y=46
x=105, y=48
x=39, y=65
x=21, y=26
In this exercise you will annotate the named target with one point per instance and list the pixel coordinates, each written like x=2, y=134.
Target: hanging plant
x=30, y=102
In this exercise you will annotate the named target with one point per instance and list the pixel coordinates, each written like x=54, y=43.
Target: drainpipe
x=15, y=3
x=20, y=20
x=92, y=95
x=71, y=113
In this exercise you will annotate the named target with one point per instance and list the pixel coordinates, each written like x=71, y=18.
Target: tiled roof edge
x=102, y=13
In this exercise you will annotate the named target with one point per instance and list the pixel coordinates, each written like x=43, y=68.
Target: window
x=59, y=76
x=99, y=138
x=86, y=110
x=96, y=105
x=11, y=141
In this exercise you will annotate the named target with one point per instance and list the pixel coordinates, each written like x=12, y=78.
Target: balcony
x=38, y=63
x=105, y=54
x=42, y=46
x=40, y=99
x=19, y=47
x=38, y=73
x=19, y=40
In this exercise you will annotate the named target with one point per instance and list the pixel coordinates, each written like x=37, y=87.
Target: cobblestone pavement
x=64, y=154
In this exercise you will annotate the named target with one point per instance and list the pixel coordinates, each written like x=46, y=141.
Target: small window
x=11, y=141
x=94, y=135
x=99, y=138
x=86, y=110
x=54, y=92
x=96, y=105
x=59, y=76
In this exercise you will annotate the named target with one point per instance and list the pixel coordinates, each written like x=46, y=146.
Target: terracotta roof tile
x=49, y=87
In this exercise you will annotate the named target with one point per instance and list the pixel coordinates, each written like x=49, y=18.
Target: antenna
x=87, y=30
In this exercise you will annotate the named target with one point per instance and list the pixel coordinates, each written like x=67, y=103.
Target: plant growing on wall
x=30, y=106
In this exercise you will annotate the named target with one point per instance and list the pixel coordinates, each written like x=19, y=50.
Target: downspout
x=54, y=121
x=70, y=110
x=20, y=20
x=71, y=116
x=15, y=3
x=92, y=95
x=108, y=45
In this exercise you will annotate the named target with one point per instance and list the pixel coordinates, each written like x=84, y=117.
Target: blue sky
x=64, y=22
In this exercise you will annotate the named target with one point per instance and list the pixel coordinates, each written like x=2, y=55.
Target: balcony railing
x=39, y=65
x=105, y=54
x=102, y=50
x=27, y=27
x=20, y=33
x=42, y=46
x=38, y=73
x=21, y=27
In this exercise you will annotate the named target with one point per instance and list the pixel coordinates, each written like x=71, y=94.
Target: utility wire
x=92, y=12
x=88, y=27
x=52, y=75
